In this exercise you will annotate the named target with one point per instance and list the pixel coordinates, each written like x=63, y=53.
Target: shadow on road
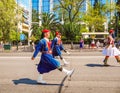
x=100, y=65
x=94, y=65
x=62, y=83
x=31, y=82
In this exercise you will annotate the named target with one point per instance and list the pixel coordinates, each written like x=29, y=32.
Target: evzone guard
x=57, y=47
x=110, y=49
x=47, y=62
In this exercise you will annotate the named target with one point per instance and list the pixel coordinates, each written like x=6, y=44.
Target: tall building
x=43, y=6
x=24, y=25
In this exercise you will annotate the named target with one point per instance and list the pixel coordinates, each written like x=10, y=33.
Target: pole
x=17, y=26
x=30, y=21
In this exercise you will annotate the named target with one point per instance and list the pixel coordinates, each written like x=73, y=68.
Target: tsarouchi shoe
x=69, y=73
x=41, y=82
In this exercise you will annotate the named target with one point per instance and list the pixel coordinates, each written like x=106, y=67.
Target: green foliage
x=77, y=38
x=7, y=18
x=69, y=13
x=49, y=21
x=32, y=38
x=35, y=16
x=14, y=35
x=83, y=29
x=71, y=30
x=37, y=31
x=69, y=10
x=95, y=17
x=87, y=40
x=1, y=35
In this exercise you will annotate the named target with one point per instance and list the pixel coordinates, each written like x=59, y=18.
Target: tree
x=14, y=35
x=118, y=18
x=7, y=18
x=35, y=16
x=49, y=21
x=71, y=9
x=70, y=17
x=96, y=17
x=71, y=31
x=36, y=32
x=99, y=14
x=118, y=3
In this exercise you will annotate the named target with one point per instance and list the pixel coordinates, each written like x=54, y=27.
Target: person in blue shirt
x=47, y=62
x=57, y=47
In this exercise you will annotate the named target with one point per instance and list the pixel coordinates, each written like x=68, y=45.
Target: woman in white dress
x=110, y=49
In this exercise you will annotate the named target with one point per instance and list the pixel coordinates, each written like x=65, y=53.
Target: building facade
x=43, y=6
x=24, y=24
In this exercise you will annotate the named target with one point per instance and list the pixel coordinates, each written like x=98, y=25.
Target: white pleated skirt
x=111, y=51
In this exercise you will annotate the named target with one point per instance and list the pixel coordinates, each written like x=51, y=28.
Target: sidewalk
x=30, y=49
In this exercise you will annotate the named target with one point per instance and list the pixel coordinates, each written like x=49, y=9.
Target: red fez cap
x=111, y=31
x=57, y=33
x=45, y=31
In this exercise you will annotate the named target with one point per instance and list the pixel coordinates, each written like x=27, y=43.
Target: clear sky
x=24, y=3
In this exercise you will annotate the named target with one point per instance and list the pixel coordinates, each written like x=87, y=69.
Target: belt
x=46, y=52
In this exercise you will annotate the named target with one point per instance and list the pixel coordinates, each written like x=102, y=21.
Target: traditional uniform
x=47, y=62
x=110, y=49
x=57, y=47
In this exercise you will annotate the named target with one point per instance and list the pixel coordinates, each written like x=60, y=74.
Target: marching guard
x=57, y=47
x=110, y=49
x=47, y=62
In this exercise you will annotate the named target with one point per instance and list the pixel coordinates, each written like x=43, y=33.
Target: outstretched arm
x=62, y=48
x=37, y=49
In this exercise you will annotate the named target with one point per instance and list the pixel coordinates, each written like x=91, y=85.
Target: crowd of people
x=92, y=44
x=97, y=43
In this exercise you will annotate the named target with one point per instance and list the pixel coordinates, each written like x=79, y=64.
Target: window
x=46, y=6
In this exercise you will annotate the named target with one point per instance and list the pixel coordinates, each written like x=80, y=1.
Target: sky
x=24, y=3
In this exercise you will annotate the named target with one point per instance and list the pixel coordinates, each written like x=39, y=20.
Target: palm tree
x=35, y=16
x=49, y=21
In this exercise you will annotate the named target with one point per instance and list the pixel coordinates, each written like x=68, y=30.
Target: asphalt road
x=18, y=74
